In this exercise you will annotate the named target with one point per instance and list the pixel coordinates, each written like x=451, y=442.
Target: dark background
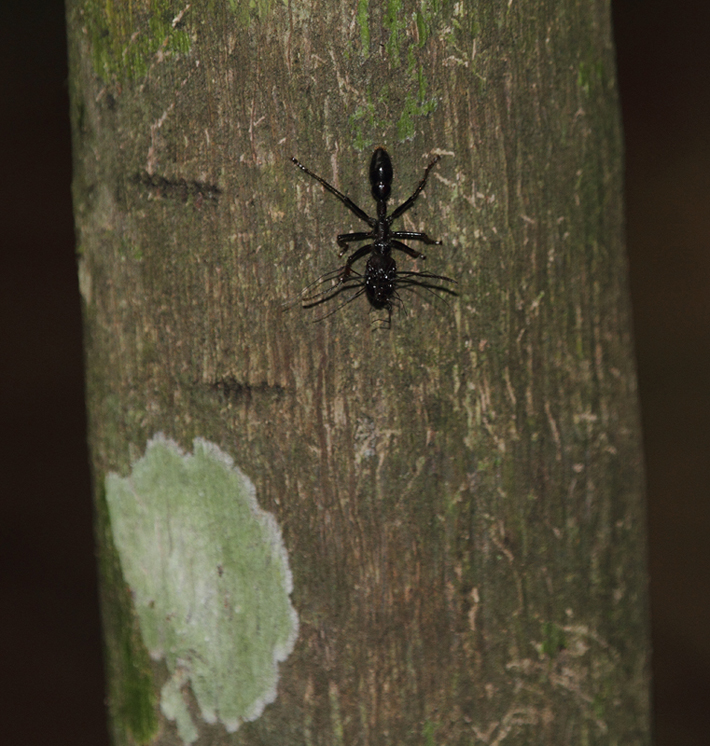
x=50, y=638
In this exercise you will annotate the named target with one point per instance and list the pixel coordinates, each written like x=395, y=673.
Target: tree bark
x=454, y=504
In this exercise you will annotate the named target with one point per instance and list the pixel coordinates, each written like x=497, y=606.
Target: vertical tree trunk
x=349, y=534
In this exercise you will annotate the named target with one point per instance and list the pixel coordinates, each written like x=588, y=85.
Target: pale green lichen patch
x=363, y=21
x=132, y=694
x=406, y=34
x=210, y=580
x=395, y=23
x=126, y=39
x=174, y=708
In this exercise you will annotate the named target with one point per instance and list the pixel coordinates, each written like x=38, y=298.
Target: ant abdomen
x=381, y=175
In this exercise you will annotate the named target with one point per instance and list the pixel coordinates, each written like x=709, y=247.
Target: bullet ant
x=381, y=279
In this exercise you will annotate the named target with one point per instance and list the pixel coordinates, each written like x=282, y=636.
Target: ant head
x=381, y=174
x=380, y=280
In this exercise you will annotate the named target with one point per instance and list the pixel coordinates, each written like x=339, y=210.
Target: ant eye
x=380, y=280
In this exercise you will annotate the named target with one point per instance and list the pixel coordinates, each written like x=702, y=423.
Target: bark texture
x=460, y=496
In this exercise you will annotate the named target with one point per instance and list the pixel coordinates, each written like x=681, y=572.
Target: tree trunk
x=345, y=532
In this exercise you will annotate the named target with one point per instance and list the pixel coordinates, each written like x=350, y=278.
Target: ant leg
x=407, y=250
x=345, y=200
x=345, y=238
x=406, y=205
x=411, y=236
x=361, y=252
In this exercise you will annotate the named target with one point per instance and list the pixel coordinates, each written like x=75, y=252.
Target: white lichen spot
x=172, y=703
x=210, y=580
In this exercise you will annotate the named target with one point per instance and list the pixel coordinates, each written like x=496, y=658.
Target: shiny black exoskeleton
x=381, y=279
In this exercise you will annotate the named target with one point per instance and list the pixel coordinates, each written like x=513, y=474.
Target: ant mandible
x=381, y=278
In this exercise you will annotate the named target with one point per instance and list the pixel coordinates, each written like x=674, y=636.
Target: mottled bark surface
x=460, y=496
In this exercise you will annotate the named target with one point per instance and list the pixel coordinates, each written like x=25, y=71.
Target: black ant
x=381, y=279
